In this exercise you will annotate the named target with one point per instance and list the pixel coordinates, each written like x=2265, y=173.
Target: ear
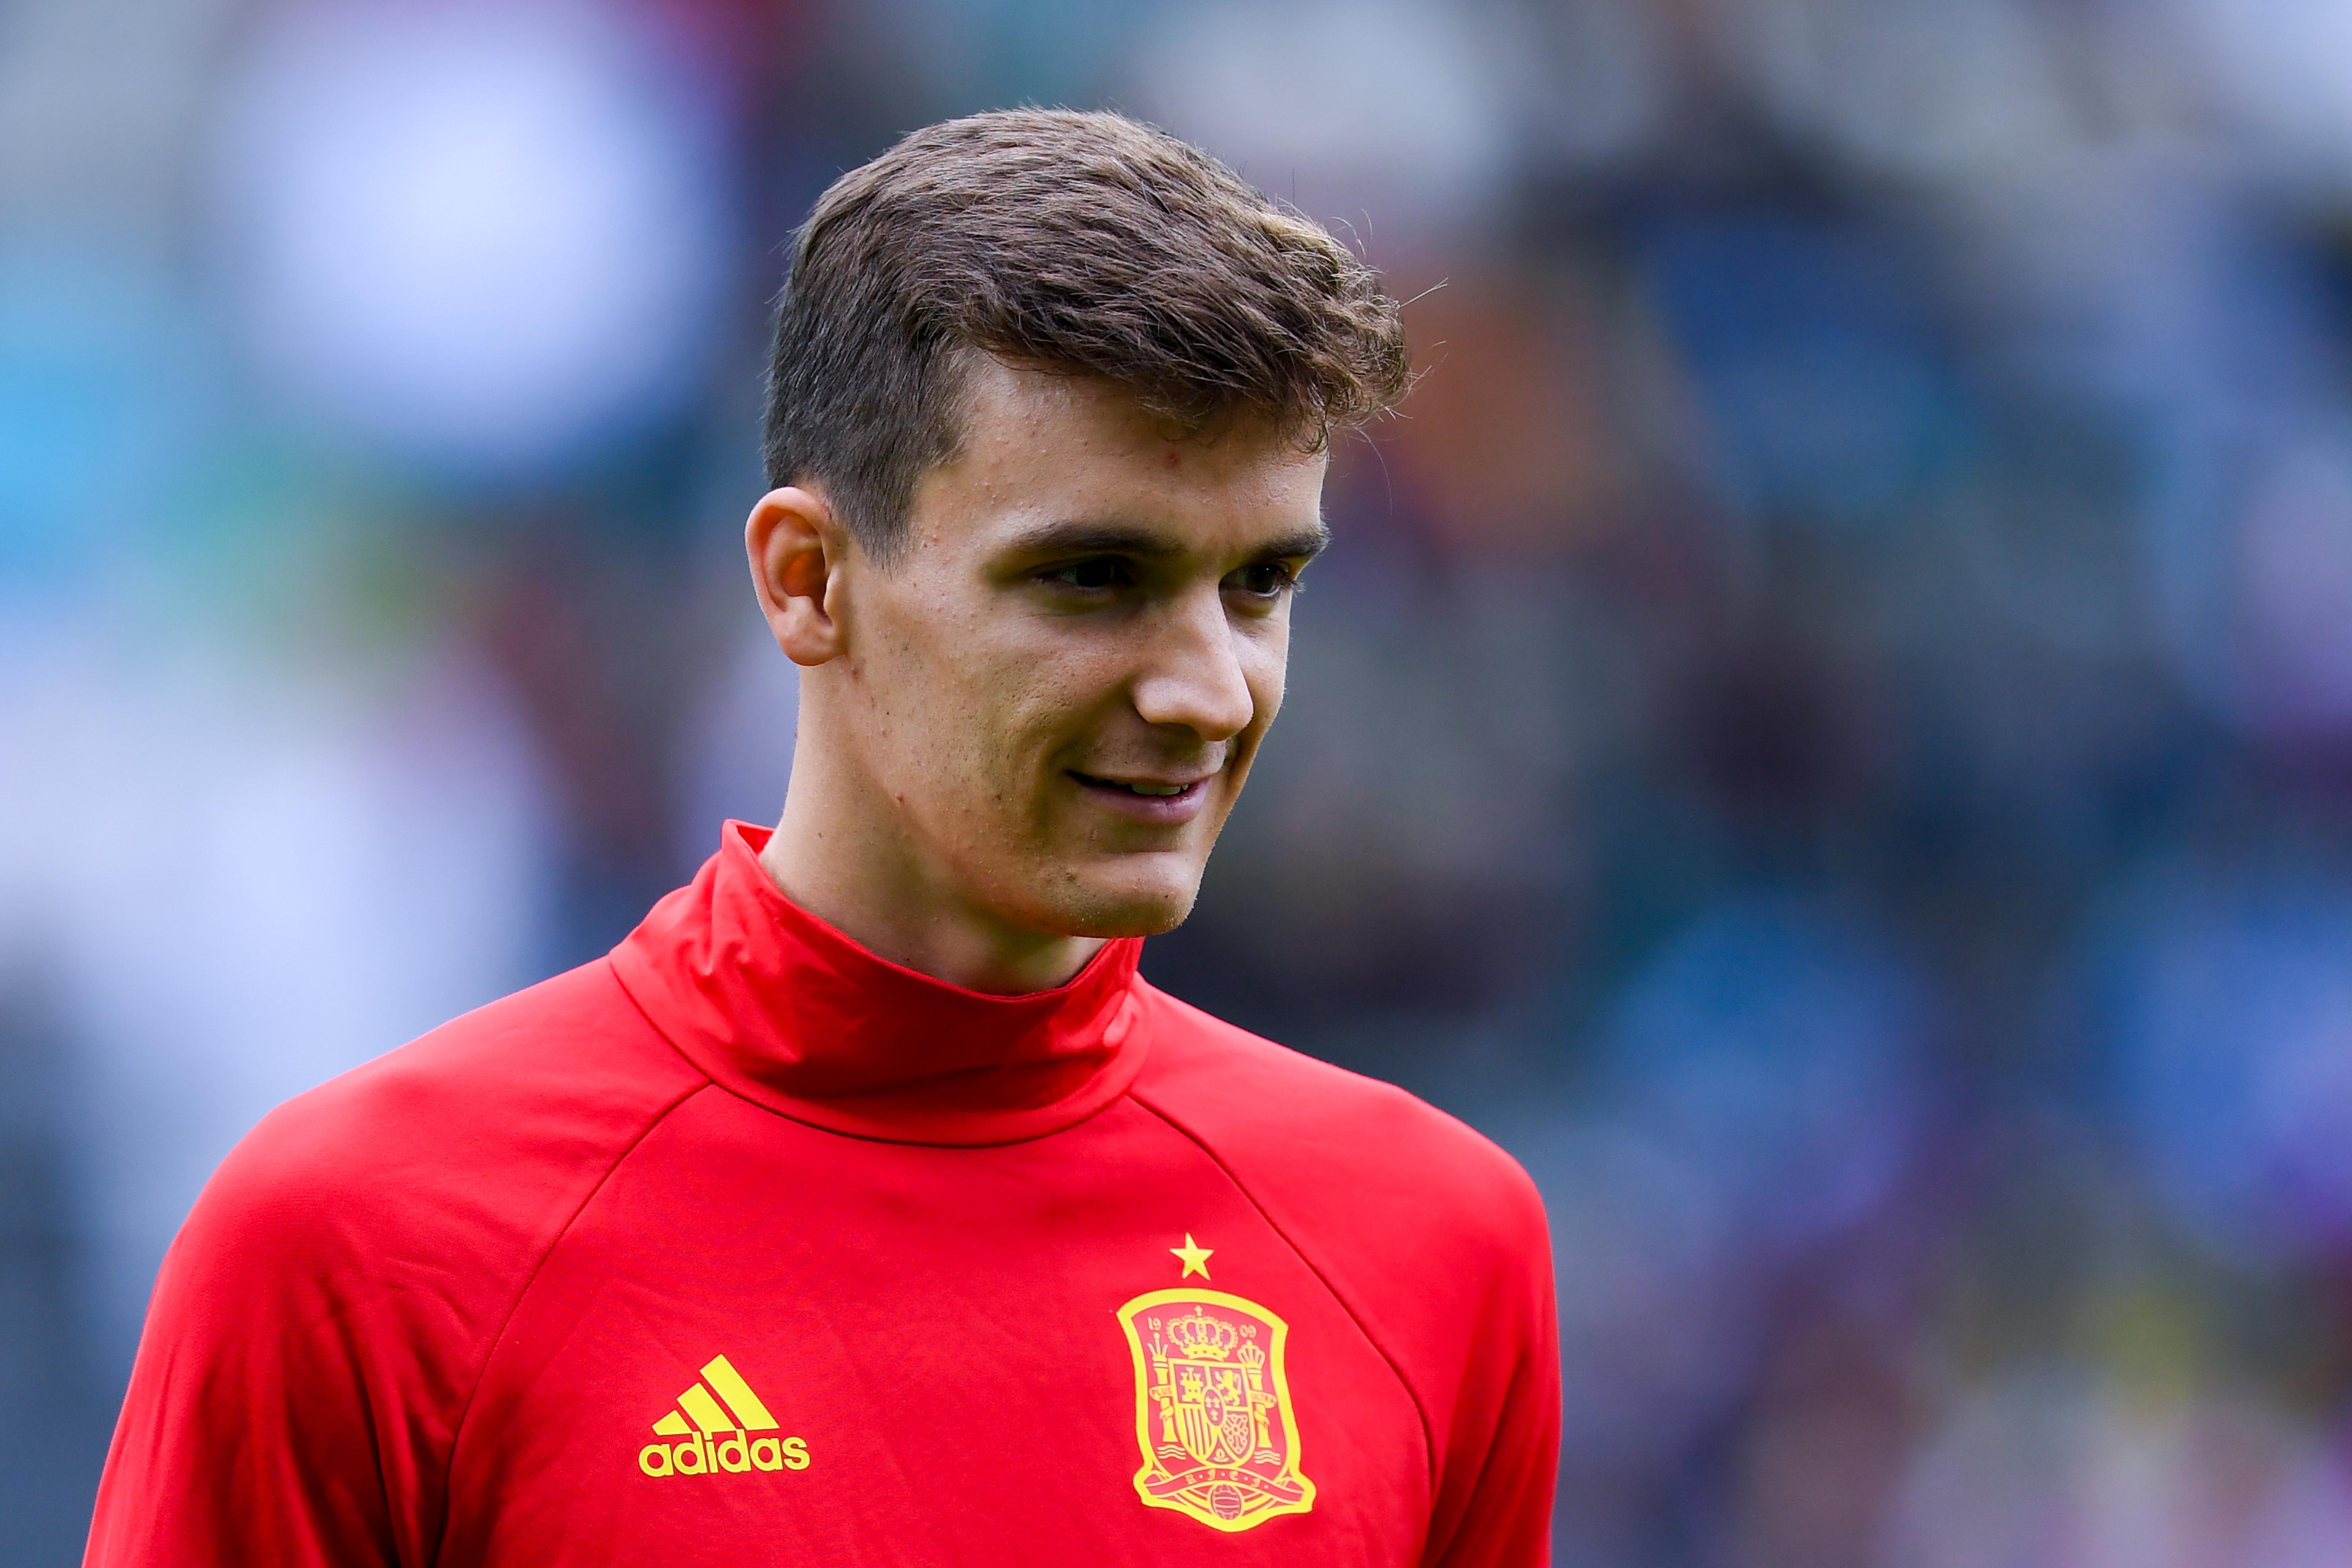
x=797, y=551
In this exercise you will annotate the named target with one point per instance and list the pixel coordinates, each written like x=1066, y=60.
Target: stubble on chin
x=1106, y=904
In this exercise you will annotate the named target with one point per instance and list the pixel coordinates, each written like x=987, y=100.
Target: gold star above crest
x=1195, y=1256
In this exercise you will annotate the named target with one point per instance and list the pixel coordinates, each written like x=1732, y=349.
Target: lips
x=1150, y=789
x=1147, y=800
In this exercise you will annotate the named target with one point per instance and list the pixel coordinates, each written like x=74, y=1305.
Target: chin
x=1099, y=905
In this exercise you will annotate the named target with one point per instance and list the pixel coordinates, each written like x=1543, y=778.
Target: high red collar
x=783, y=1009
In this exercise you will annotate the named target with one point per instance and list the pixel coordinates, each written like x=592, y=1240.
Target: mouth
x=1147, y=800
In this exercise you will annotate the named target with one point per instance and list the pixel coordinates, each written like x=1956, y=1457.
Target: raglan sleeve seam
x=538, y=1265
x=1420, y=1407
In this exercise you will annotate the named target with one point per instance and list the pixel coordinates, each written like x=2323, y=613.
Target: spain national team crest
x=1213, y=1408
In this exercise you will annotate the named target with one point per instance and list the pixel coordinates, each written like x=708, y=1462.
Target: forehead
x=1037, y=446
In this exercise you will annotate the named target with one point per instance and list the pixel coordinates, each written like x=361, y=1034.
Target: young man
x=865, y=1206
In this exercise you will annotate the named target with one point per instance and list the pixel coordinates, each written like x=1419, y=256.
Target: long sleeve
x=321, y=1322
x=1495, y=1500
x=274, y=1414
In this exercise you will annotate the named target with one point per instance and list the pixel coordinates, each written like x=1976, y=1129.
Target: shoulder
x=459, y=1151
x=342, y=1279
x=1432, y=1237
x=1368, y=1163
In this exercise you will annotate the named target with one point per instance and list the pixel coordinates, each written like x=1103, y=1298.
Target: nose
x=1195, y=676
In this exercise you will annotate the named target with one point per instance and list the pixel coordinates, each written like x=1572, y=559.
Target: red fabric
x=779, y=1007
x=433, y=1311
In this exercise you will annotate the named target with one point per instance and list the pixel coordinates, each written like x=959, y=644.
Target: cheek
x=936, y=705
x=1265, y=666
x=993, y=720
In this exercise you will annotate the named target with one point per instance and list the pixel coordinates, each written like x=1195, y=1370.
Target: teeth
x=1156, y=791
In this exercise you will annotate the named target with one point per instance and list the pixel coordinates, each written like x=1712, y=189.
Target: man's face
x=1062, y=680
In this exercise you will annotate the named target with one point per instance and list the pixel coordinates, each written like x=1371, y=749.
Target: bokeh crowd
x=1827, y=730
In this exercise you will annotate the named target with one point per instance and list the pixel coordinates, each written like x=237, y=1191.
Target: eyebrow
x=1095, y=538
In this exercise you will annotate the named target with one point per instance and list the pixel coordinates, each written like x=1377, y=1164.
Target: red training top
x=744, y=1245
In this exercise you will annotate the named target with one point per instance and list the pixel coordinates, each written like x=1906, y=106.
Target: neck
x=844, y=854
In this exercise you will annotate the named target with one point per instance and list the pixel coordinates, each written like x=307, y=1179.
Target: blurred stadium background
x=1828, y=730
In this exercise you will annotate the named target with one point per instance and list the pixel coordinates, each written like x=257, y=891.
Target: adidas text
x=733, y=1455
x=716, y=1418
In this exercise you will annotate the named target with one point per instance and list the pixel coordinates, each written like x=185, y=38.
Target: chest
x=760, y=1343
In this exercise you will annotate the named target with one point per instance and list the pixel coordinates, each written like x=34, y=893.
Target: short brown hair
x=1084, y=243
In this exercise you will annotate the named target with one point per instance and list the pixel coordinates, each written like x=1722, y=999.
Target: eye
x=1092, y=575
x=1265, y=580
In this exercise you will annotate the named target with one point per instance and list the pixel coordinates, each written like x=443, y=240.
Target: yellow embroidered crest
x=1212, y=1411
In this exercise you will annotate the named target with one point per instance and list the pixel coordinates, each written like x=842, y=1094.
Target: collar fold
x=780, y=1008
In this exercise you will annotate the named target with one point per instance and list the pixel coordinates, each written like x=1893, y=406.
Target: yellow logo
x=1212, y=1411
x=717, y=1439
